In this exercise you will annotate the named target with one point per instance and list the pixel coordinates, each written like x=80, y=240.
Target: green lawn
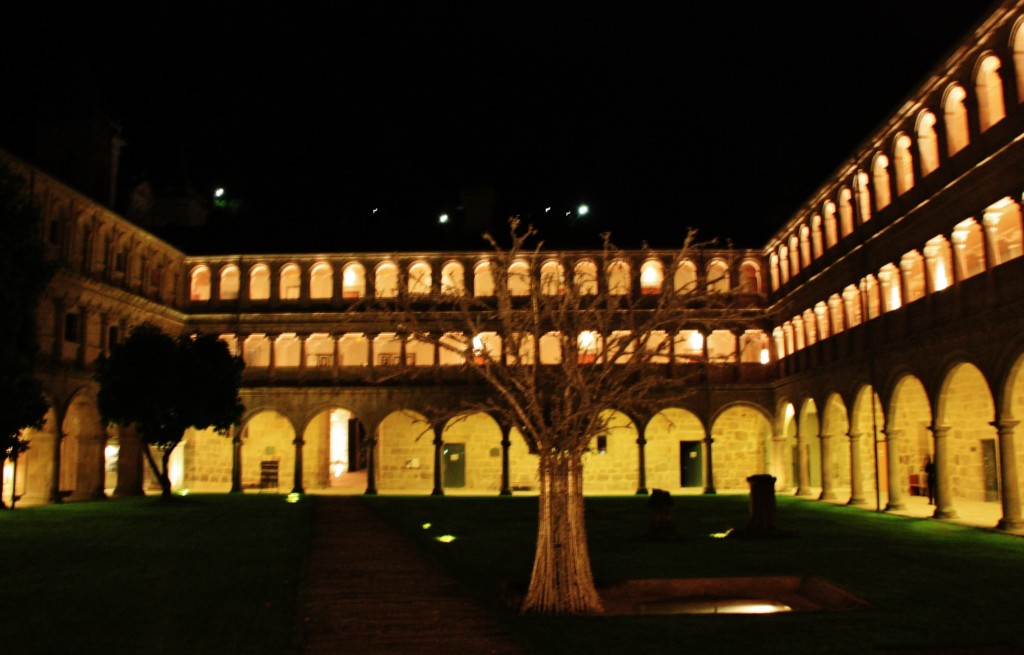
x=221, y=574
x=929, y=584
x=200, y=574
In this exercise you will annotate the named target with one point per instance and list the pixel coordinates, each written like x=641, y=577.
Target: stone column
x=990, y=230
x=297, y=487
x=370, y=337
x=55, y=496
x=803, y=487
x=709, y=467
x=641, y=489
x=38, y=463
x=943, y=488
x=827, y=492
x=236, y=460
x=857, y=498
x=438, y=489
x=506, y=487
x=371, y=460
x=892, y=442
x=129, y=463
x=1010, y=484
x=89, y=467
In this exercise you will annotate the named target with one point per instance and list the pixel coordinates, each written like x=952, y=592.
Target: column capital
x=939, y=431
x=854, y=435
x=1004, y=424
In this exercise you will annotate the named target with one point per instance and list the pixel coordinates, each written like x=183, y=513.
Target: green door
x=691, y=464
x=454, y=465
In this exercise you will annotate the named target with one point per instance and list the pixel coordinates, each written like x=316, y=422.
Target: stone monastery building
x=889, y=329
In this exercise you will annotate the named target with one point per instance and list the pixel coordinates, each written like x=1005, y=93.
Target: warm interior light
x=941, y=280
x=765, y=357
x=696, y=340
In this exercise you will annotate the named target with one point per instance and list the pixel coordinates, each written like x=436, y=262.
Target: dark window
x=121, y=261
x=602, y=445
x=71, y=328
x=113, y=334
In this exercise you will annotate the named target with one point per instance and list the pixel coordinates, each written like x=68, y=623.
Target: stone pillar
x=892, y=442
x=371, y=460
x=438, y=461
x=943, y=487
x=990, y=230
x=129, y=463
x=506, y=487
x=272, y=359
x=827, y=492
x=641, y=489
x=89, y=469
x=1010, y=484
x=709, y=467
x=236, y=460
x=297, y=487
x=857, y=498
x=803, y=485
x=38, y=463
x=370, y=337
x=55, y=496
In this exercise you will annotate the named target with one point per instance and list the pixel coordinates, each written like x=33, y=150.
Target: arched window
x=256, y=351
x=588, y=346
x=685, y=277
x=750, y=276
x=286, y=350
x=290, y=282
x=773, y=263
x=352, y=349
x=880, y=180
x=889, y=279
x=552, y=278
x=721, y=347
x=805, y=246
x=872, y=299
x=903, y=164
x=1002, y=223
x=453, y=279
x=200, y=284
x=835, y=312
x=779, y=339
x=784, y=263
x=353, y=281
x=486, y=346
x=912, y=276
x=860, y=185
x=754, y=347
x=519, y=278
x=420, y=278
x=229, y=280
x=618, y=278
x=794, y=255
x=968, y=249
x=831, y=231
x=551, y=348
x=385, y=280
x=845, y=211
x=259, y=282
x=852, y=305
x=817, y=243
x=939, y=263
x=718, y=276
x=822, y=320
x=955, y=118
x=799, y=335
x=1018, y=61
x=585, y=277
x=810, y=327
x=652, y=276
x=483, y=280
x=321, y=281
x=989, y=88
x=789, y=341
x=927, y=142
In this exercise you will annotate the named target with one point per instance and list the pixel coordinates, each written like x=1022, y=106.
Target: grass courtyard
x=223, y=574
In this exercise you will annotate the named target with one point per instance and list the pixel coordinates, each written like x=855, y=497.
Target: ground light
x=445, y=538
x=292, y=497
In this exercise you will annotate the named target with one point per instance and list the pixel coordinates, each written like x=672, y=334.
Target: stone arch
x=420, y=278
x=552, y=278
x=718, y=276
x=652, y=276
x=810, y=431
x=353, y=281
x=742, y=434
x=618, y=277
x=955, y=119
x=472, y=451
x=965, y=406
x=612, y=461
x=321, y=281
x=675, y=451
x=453, y=279
x=903, y=163
x=290, y=278
x=267, y=436
x=334, y=448
x=483, y=279
x=907, y=434
x=385, y=279
x=836, y=461
x=684, y=279
x=785, y=459
x=230, y=282
x=259, y=282
x=585, y=277
x=82, y=466
x=880, y=180
x=867, y=421
x=988, y=88
x=927, y=142
x=828, y=211
x=1017, y=46
x=35, y=465
x=199, y=283
x=519, y=282
x=405, y=444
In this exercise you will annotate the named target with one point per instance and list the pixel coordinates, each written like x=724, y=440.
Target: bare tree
x=555, y=351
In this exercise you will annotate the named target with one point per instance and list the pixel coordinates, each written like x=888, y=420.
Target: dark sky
x=715, y=115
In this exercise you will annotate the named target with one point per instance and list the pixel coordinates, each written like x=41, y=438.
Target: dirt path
x=370, y=591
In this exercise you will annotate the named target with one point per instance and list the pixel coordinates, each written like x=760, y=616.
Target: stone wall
x=207, y=460
x=740, y=435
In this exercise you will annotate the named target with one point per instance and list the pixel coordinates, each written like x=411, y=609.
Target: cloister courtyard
x=272, y=573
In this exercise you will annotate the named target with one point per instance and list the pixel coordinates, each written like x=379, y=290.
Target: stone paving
x=370, y=591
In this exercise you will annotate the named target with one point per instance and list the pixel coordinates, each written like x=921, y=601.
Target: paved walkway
x=370, y=591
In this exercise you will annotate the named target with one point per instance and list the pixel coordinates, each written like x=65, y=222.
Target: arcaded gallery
x=885, y=328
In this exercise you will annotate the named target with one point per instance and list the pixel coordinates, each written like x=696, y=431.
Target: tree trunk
x=562, y=582
x=162, y=477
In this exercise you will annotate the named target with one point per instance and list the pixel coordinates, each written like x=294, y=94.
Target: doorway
x=691, y=464
x=454, y=465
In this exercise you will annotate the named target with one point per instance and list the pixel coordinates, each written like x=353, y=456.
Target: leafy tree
x=25, y=274
x=613, y=348
x=165, y=385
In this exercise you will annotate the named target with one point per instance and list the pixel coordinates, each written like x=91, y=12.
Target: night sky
x=720, y=116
